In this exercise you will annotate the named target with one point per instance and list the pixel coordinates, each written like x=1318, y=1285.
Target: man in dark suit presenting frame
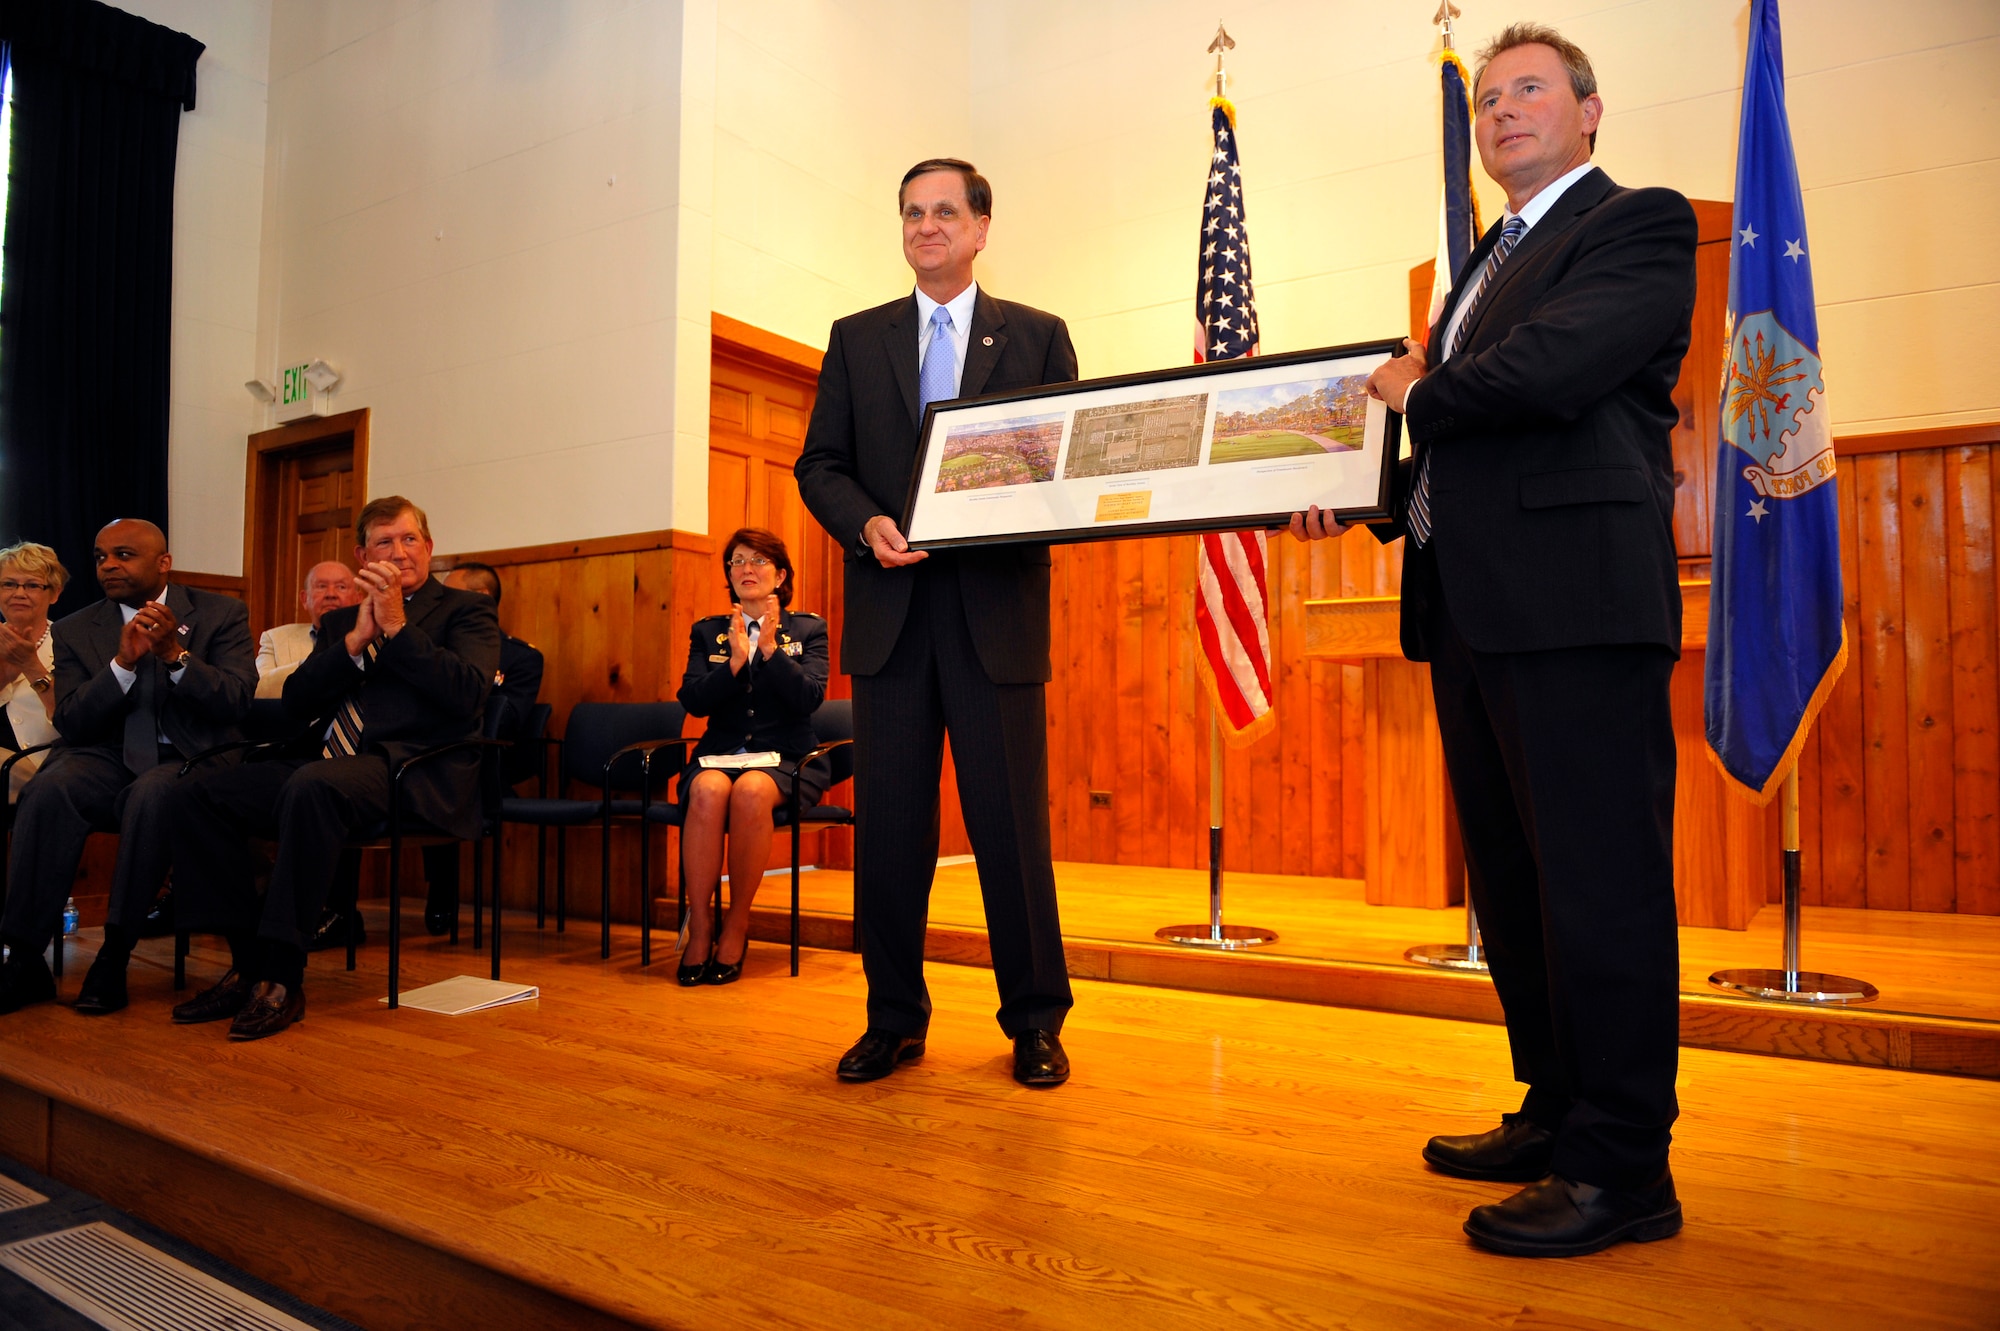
x=1539, y=581
x=958, y=641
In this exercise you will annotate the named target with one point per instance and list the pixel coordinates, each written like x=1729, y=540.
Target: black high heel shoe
x=689, y=976
x=721, y=972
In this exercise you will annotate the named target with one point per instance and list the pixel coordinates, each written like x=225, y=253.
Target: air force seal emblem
x=1774, y=410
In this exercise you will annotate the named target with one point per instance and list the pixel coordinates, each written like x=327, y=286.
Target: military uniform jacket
x=768, y=706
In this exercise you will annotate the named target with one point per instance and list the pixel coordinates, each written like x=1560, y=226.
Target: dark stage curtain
x=87, y=297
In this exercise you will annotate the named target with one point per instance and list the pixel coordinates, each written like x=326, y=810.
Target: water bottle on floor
x=69, y=916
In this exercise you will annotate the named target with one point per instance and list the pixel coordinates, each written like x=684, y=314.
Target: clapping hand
x=767, y=633
x=381, y=585
x=739, y=643
x=17, y=654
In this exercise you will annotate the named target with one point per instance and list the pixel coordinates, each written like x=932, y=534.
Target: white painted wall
x=218, y=219
x=538, y=373
x=821, y=105
x=474, y=211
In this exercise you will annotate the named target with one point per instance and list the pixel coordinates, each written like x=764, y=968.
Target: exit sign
x=297, y=398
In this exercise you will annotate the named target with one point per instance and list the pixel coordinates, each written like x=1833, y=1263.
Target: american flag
x=1229, y=610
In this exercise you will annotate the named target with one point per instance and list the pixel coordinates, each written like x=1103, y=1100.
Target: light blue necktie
x=934, y=380
x=1420, y=493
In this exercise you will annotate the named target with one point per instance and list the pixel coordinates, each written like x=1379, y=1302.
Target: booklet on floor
x=467, y=993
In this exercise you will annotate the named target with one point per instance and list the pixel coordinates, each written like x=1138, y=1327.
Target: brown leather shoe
x=271, y=1008
x=224, y=998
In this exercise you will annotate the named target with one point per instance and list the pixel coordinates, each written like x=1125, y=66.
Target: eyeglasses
x=749, y=561
x=9, y=586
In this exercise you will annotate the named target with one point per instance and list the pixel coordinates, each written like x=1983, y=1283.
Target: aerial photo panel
x=1308, y=418
x=1137, y=436
x=1018, y=451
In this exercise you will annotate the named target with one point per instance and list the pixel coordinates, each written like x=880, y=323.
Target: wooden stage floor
x=627, y=1149
x=1925, y=964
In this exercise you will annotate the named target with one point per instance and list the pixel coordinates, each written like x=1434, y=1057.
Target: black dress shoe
x=335, y=928
x=272, y=1007
x=103, y=990
x=689, y=976
x=1039, y=1059
x=159, y=921
x=439, y=910
x=1515, y=1152
x=876, y=1055
x=719, y=971
x=224, y=998
x=1558, y=1218
x=25, y=980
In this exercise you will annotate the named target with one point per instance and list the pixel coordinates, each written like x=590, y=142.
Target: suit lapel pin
x=986, y=341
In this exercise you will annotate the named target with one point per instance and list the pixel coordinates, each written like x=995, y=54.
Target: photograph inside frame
x=1211, y=447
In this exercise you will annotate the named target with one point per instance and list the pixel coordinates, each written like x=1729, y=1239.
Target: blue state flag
x=1776, y=640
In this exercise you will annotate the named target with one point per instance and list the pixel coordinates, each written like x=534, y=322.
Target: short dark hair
x=1582, y=78
x=482, y=576
x=768, y=544
x=387, y=509
x=978, y=193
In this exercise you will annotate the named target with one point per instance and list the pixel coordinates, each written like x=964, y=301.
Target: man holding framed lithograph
x=956, y=641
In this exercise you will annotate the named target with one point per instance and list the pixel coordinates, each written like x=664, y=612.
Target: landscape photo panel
x=1303, y=418
x=1211, y=447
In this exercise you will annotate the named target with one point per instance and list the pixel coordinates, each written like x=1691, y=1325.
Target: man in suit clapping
x=146, y=678
x=406, y=669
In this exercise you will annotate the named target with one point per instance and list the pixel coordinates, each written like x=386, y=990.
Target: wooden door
x=316, y=508
x=760, y=397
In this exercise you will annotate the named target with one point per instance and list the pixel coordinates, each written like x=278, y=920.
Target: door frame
x=269, y=449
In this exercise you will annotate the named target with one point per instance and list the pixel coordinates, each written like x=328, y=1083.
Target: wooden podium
x=1722, y=854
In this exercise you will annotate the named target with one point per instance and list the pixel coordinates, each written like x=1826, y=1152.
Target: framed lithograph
x=1215, y=447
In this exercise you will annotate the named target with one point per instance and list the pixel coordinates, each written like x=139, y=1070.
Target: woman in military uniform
x=756, y=673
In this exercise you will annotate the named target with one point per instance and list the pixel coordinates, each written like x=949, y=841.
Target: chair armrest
x=234, y=746
x=7, y=768
x=646, y=749
x=438, y=751
x=798, y=765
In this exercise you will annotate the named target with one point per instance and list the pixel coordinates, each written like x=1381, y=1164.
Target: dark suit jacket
x=198, y=711
x=861, y=448
x=769, y=706
x=516, y=686
x=427, y=687
x=1552, y=486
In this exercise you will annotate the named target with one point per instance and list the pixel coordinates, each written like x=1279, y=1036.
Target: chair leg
x=541, y=877
x=645, y=893
x=562, y=879
x=180, y=960
x=350, y=933
x=395, y=909
x=496, y=900
x=604, y=906
x=795, y=895
x=478, y=895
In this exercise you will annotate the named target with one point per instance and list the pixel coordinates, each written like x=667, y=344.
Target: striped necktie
x=343, y=738
x=1420, y=493
x=934, y=380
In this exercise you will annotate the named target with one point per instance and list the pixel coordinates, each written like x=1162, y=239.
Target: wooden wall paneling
x=1975, y=677
x=1156, y=700
x=1187, y=717
x=1698, y=396
x=1884, y=699
x=1843, y=818
x=1700, y=857
x=1811, y=867
x=1927, y=677
x=1124, y=637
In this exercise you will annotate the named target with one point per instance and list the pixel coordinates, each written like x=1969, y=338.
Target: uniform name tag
x=718, y=656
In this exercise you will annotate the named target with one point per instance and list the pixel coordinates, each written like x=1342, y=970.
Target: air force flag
x=1776, y=641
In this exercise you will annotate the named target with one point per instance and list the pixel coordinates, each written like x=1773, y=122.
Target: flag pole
x=1469, y=955
x=1793, y=984
x=1215, y=933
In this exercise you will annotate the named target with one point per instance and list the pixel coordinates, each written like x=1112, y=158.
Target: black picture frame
x=933, y=523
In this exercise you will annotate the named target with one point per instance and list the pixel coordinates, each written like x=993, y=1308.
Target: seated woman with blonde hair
x=757, y=674
x=31, y=578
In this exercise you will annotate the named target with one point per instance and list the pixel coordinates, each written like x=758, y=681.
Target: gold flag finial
x=1223, y=42
x=1447, y=11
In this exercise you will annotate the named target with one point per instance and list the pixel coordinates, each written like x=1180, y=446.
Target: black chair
x=608, y=746
x=391, y=834
x=833, y=727
x=516, y=763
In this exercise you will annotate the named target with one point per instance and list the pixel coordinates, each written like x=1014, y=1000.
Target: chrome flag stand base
x=1466, y=956
x=1215, y=934
x=1792, y=985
